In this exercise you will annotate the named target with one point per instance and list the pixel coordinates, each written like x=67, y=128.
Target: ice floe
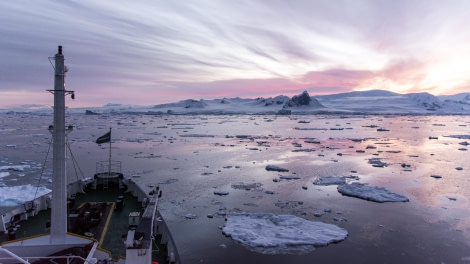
x=288, y=204
x=190, y=216
x=459, y=136
x=168, y=181
x=14, y=167
x=330, y=180
x=280, y=234
x=247, y=186
x=276, y=168
x=371, y=193
x=197, y=135
x=221, y=193
x=334, y=180
x=289, y=177
x=377, y=162
x=304, y=150
x=17, y=195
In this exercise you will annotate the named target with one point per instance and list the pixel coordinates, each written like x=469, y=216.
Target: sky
x=150, y=52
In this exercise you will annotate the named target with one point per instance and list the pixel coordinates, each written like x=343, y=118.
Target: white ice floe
x=371, y=193
x=14, y=167
x=330, y=180
x=4, y=174
x=190, y=216
x=274, y=234
x=247, y=186
x=17, y=195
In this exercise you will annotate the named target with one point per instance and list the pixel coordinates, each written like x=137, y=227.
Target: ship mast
x=59, y=177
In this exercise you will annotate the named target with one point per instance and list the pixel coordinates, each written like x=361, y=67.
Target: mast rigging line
x=43, y=168
x=74, y=162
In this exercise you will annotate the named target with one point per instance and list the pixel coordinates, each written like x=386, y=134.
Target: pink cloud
x=331, y=81
x=346, y=79
x=405, y=71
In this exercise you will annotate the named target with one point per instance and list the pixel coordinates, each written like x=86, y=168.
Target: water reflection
x=195, y=155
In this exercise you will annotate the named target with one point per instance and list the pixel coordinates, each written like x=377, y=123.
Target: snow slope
x=366, y=102
x=360, y=102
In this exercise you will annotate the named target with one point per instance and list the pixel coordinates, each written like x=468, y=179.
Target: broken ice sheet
x=280, y=234
x=329, y=180
x=371, y=193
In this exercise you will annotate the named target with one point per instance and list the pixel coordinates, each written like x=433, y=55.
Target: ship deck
x=110, y=231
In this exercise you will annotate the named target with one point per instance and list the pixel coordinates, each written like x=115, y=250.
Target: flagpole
x=109, y=162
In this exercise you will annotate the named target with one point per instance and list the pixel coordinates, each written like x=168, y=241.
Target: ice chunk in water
x=273, y=234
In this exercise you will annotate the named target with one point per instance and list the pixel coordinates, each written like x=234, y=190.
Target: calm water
x=193, y=156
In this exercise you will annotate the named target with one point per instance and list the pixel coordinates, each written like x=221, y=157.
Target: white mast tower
x=59, y=177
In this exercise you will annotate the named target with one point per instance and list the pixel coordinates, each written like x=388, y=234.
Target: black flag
x=104, y=138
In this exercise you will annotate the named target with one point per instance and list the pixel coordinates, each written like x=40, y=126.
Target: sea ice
x=274, y=234
x=289, y=177
x=288, y=204
x=275, y=168
x=329, y=180
x=196, y=135
x=17, y=195
x=190, y=216
x=377, y=162
x=168, y=181
x=459, y=136
x=14, y=167
x=221, y=193
x=246, y=186
x=371, y=193
x=318, y=213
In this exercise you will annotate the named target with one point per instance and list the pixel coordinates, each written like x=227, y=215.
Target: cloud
x=210, y=48
x=331, y=81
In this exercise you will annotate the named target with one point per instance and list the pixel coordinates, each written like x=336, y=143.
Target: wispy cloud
x=237, y=48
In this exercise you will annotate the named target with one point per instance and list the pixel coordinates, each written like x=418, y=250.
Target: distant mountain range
x=365, y=102
x=361, y=102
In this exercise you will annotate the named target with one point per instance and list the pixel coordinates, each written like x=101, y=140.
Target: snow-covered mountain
x=385, y=102
x=462, y=98
x=359, y=102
